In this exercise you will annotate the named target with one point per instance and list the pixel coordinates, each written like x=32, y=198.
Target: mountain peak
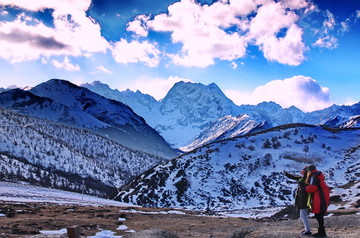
x=96, y=84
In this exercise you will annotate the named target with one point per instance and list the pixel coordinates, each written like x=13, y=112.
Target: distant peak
x=97, y=84
x=12, y=86
x=55, y=84
x=270, y=103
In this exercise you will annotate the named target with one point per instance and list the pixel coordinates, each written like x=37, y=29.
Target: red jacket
x=320, y=193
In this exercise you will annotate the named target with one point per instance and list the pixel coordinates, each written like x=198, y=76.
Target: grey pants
x=304, y=217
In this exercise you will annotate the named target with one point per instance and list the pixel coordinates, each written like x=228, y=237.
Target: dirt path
x=27, y=219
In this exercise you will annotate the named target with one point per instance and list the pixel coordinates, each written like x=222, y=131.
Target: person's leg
x=321, y=229
x=320, y=219
x=305, y=220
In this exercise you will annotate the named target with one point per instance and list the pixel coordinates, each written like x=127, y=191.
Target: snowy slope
x=27, y=103
x=246, y=172
x=226, y=127
x=343, y=122
x=22, y=192
x=42, y=152
x=61, y=101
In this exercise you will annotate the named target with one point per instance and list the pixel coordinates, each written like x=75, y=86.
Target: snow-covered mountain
x=61, y=101
x=182, y=115
x=45, y=153
x=227, y=127
x=247, y=171
x=189, y=111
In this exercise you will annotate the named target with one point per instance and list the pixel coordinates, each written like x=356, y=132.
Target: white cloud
x=295, y=4
x=138, y=26
x=326, y=39
x=328, y=42
x=329, y=23
x=224, y=29
x=344, y=26
x=286, y=50
x=37, y=5
x=101, y=69
x=135, y=51
x=26, y=38
x=357, y=13
x=271, y=19
x=156, y=87
x=66, y=65
x=300, y=91
x=233, y=65
x=198, y=29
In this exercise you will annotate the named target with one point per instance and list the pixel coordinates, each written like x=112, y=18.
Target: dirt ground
x=27, y=219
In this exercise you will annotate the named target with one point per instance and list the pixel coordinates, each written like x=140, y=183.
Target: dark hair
x=311, y=167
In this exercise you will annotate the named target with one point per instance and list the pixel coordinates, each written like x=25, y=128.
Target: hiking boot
x=321, y=232
x=306, y=233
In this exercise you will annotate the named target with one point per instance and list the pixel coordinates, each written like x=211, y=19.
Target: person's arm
x=292, y=176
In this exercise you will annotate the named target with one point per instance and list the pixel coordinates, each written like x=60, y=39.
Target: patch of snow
x=105, y=234
x=122, y=227
x=251, y=213
x=55, y=232
x=161, y=212
x=2, y=215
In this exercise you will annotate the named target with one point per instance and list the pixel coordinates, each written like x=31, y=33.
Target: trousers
x=304, y=217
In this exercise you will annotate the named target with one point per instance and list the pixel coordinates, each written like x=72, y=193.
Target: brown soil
x=27, y=219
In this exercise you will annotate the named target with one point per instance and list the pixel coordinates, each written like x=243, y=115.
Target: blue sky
x=294, y=52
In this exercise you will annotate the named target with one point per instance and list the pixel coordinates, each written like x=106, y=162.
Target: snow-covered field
x=22, y=192
x=16, y=192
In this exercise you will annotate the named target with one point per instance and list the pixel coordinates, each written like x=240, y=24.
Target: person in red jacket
x=320, y=197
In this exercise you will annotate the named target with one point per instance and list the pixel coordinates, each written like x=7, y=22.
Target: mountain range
x=191, y=114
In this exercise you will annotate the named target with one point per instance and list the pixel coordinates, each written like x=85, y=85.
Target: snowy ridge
x=189, y=112
x=28, y=103
x=343, y=122
x=42, y=152
x=142, y=104
x=246, y=171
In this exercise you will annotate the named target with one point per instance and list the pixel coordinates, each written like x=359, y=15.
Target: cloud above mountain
x=303, y=92
x=223, y=30
x=205, y=33
x=27, y=38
